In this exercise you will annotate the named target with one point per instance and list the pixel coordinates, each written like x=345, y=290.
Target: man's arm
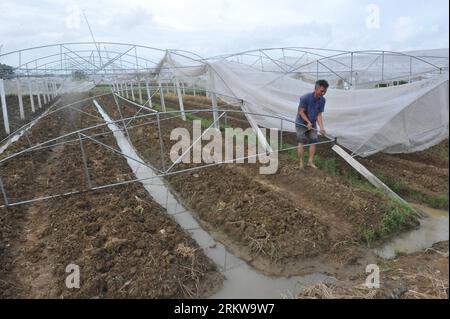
x=320, y=121
x=305, y=118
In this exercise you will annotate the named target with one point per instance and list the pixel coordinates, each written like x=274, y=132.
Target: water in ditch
x=433, y=229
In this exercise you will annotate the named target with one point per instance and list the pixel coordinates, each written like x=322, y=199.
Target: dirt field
x=420, y=177
x=14, y=114
x=273, y=221
x=115, y=236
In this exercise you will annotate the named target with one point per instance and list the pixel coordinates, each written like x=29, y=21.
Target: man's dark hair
x=322, y=83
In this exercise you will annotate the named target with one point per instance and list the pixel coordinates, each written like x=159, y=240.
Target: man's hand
x=322, y=132
x=309, y=125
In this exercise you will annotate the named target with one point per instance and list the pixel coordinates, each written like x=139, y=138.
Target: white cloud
x=214, y=27
x=404, y=29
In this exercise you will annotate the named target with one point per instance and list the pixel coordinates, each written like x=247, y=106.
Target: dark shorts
x=305, y=136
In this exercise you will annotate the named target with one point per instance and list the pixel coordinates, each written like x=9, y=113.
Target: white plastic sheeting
x=399, y=119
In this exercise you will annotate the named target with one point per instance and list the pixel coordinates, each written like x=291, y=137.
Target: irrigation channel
x=433, y=229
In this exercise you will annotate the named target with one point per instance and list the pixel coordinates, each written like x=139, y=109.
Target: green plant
x=368, y=235
x=401, y=188
x=396, y=216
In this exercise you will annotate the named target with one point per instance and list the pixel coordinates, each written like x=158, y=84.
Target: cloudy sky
x=211, y=27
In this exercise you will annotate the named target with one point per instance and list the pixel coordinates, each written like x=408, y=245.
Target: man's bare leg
x=300, y=152
x=312, y=151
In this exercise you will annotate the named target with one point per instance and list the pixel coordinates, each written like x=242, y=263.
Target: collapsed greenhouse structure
x=87, y=129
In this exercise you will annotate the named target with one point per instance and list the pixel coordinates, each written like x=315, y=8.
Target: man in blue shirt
x=309, y=113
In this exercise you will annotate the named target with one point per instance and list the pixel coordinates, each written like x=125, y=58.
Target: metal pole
x=19, y=97
x=161, y=94
x=4, y=108
x=86, y=171
x=161, y=146
x=132, y=91
x=281, y=135
x=382, y=67
x=30, y=89
x=39, y=97
x=351, y=71
x=180, y=99
x=140, y=91
x=47, y=91
x=120, y=88
x=214, y=108
x=149, y=96
x=44, y=93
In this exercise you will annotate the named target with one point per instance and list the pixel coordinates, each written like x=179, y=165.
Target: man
x=309, y=113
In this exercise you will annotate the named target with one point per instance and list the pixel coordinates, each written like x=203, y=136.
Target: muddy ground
x=15, y=122
x=421, y=275
x=124, y=243
x=274, y=221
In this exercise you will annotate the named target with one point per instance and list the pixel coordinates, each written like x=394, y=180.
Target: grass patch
x=401, y=188
x=396, y=217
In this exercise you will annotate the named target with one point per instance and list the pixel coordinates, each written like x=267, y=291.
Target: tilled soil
x=417, y=177
x=277, y=221
x=424, y=172
x=15, y=122
x=124, y=243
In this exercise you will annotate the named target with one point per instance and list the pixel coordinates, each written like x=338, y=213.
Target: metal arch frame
x=322, y=58
x=183, y=53
x=82, y=134
x=198, y=58
x=311, y=50
x=47, y=66
x=190, y=56
x=40, y=70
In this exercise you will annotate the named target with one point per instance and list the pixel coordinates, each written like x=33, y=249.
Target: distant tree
x=6, y=71
x=79, y=75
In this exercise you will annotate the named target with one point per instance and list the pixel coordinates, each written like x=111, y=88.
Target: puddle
x=242, y=281
x=433, y=228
